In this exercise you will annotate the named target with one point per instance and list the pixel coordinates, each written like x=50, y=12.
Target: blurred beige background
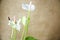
x=45, y=20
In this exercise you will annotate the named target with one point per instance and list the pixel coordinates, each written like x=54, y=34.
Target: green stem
x=22, y=38
x=27, y=24
x=25, y=30
x=24, y=33
x=13, y=35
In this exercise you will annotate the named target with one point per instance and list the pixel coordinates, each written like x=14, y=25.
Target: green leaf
x=30, y=38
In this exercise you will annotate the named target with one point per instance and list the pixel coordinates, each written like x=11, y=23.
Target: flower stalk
x=25, y=29
x=13, y=34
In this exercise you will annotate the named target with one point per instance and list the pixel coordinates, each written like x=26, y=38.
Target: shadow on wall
x=59, y=0
x=0, y=37
x=0, y=1
x=0, y=34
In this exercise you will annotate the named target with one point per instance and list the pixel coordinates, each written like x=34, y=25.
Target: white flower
x=24, y=19
x=18, y=26
x=15, y=24
x=28, y=7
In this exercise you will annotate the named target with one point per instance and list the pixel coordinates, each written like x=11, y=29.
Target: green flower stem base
x=27, y=24
x=25, y=30
x=24, y=33
x=14, y=32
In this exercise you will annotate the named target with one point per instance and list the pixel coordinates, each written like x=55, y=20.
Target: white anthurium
x=24, y=19
x=15, y=24
x=28, y=7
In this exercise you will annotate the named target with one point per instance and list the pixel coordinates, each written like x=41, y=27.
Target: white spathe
x=24, y=19
x=28, y=7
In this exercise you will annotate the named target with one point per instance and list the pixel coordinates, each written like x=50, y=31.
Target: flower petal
x=12, y=24
x=18, y=21
x=25, y=6
x=28, y=7
x=18, y=27
x=32, y=8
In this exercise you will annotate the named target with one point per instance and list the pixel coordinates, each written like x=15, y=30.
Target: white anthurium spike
x=28, y=7
x=15, y=24
x=24, y=20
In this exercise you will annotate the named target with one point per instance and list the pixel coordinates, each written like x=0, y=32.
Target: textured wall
x=45, y=20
